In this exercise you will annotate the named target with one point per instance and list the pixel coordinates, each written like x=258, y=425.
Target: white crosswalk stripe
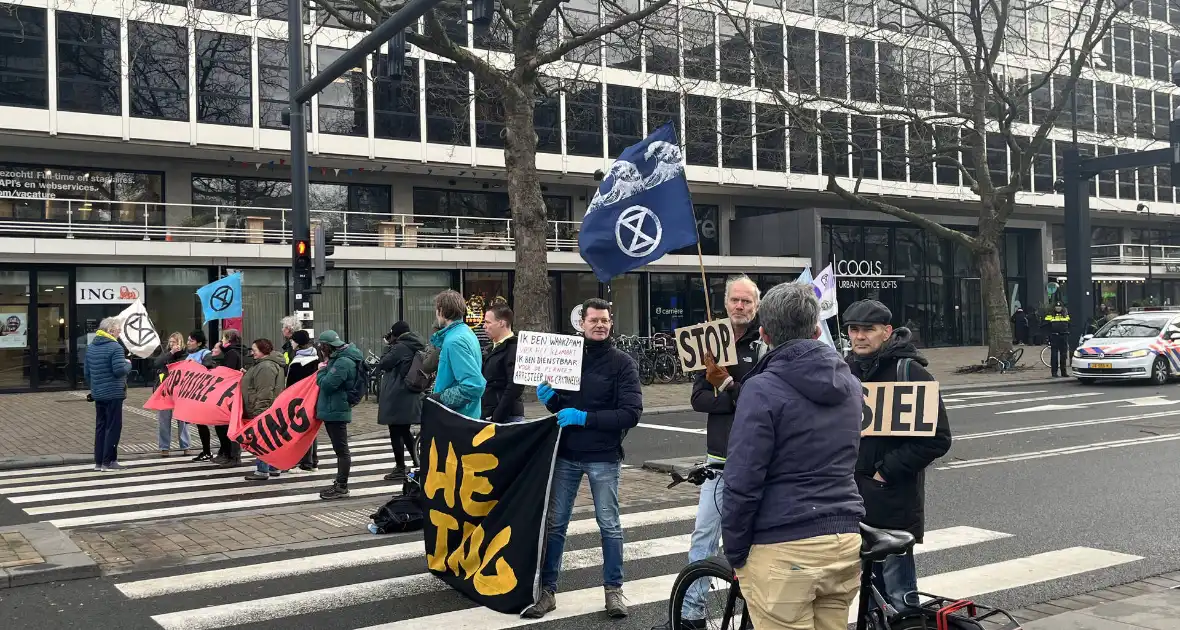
x=221, y=597
x=153, y=489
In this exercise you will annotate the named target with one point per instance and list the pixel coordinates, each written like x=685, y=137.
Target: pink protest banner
x=198, y=395
x=281, y=435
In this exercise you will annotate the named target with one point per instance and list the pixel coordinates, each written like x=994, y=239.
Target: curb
x=1089, y=599
x=675, y=463
x=63, y=560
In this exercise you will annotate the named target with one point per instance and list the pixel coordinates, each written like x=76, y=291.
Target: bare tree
x=522, y=46
x=946, y=86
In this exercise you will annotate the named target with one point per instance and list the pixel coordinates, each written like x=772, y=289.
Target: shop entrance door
x=972, y=327
x=55, y=369
x=14, y=330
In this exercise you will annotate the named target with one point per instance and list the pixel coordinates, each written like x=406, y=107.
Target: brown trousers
x=804, y=584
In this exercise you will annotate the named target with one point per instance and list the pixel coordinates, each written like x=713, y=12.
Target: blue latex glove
x=574, y=417
x=545, y=393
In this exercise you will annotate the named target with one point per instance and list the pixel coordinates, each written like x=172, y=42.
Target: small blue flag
x=642, y=209
x=222, y=299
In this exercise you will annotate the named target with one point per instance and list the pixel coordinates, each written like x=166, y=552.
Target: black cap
x=300, y=337
x=867, y=312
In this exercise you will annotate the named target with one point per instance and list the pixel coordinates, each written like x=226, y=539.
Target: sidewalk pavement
x=1151, y=604
x=126, y=547
x=53, y=428
x=38, y=553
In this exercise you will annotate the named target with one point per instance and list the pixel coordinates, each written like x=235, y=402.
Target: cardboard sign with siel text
x=906, y=409
x=715, y=337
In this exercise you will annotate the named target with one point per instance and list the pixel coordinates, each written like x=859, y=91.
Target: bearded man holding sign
x=891, y=471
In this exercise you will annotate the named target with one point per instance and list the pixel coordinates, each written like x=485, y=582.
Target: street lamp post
x=1146, y=208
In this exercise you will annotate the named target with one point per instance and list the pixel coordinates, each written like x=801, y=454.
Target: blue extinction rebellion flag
x=642, y=209
x=222, y=299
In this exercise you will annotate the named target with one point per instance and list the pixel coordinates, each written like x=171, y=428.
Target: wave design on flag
x=627, y=179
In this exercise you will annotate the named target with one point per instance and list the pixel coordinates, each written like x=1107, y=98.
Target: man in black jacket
x=229, y=353
x=715, y=392
x=594, y=421
x=891, y=471
x=501, y=397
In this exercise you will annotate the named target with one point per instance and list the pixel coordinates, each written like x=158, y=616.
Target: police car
x=1144, y=344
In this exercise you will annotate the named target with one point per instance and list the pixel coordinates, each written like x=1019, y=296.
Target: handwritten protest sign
x=908, y=409
x=545, y=357
x=715, y=337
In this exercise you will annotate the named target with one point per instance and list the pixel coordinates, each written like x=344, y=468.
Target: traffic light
x=397, y=56
x=482, y=12
x=322, y=250
x=301, y=263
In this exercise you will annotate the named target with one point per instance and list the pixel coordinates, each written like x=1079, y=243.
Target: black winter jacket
x=612, y=398
x=232, y=357
x=502, y=397
x=721, y=405
x=397, y=405
x=304, y=362
x=900, y=501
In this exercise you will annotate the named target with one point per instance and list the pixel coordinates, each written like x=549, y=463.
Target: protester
x=227, y=353
x=790, y=510
x=594, y=421
x=890, y=471
x=398, y=407
x=197, y=353
x=459, y=383
x=304, y=363
x=332, y=406
x=289, y=324
x=261, y=385
x=106, y=368
x=1020, y=327
x=715, y=392
x=1056, y=324
x=502, y=398
x=169, y=355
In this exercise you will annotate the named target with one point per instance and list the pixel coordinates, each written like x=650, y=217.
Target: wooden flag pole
x=704, y=281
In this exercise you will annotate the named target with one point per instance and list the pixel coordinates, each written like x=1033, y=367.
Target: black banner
x=486, y=490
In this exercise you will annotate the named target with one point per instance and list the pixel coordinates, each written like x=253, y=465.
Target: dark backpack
x=416, y=379
x=402, y=513
x=359, y=385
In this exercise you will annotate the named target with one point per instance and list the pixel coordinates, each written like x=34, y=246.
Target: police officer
x=1057, y=326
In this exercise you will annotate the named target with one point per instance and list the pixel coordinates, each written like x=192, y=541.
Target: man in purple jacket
x=790, y=508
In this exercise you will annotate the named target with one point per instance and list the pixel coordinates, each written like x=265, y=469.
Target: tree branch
x=442, y=45
x=593, y=34
x=901, y=213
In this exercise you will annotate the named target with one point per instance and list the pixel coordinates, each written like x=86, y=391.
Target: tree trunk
x=530, y=226
x=995, y=300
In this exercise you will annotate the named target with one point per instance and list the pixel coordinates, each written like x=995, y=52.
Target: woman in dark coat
x=304, y=362
x=397, y=407
x=227, y=353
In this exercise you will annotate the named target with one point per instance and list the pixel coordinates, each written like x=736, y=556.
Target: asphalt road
x=1060, y=478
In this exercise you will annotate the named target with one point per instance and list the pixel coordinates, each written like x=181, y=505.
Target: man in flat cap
x=890, y=471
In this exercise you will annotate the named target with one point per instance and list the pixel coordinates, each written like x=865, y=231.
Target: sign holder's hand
x=715, y=374
x=568, y=417
x=545, y=393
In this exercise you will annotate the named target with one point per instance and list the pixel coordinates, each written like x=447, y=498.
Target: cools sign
x=863, y=274
x=109, y=292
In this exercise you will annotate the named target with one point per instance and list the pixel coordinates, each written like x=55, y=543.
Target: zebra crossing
x=385, y=585
x=75, y=495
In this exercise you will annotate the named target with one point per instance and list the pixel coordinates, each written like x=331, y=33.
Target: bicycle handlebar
x=697, y=475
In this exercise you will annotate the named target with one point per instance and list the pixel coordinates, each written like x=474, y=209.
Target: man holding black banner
x=891, y=471
x=594, y=421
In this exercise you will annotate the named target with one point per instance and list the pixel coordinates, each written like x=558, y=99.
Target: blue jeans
x=604, y=486
x=164, y=419
x=706, y=536
x=264, y=467
x=895, y=577
x=108, y=426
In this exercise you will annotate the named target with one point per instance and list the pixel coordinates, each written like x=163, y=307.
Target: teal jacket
x=334, y=380
x=460, y=383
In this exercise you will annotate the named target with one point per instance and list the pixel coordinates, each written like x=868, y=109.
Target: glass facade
x=931, y=285
x=39, y=192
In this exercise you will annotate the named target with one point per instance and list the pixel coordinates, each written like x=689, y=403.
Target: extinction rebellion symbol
x=641, y=243
x=138, y=332
x=222, y=298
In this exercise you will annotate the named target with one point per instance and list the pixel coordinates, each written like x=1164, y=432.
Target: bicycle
x=873, y=612
x=1009, y=360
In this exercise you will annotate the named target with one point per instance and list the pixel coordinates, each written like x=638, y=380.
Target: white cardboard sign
x=545, y=357
x=715, y=337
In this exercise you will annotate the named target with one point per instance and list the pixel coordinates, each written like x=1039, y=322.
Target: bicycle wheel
x=1045, y=353
x=1015, y=356
x=666, y=368
x=647, y=371
x=719, y=578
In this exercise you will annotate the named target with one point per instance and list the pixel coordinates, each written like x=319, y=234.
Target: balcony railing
x=80, y=218
x=1127, y=254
